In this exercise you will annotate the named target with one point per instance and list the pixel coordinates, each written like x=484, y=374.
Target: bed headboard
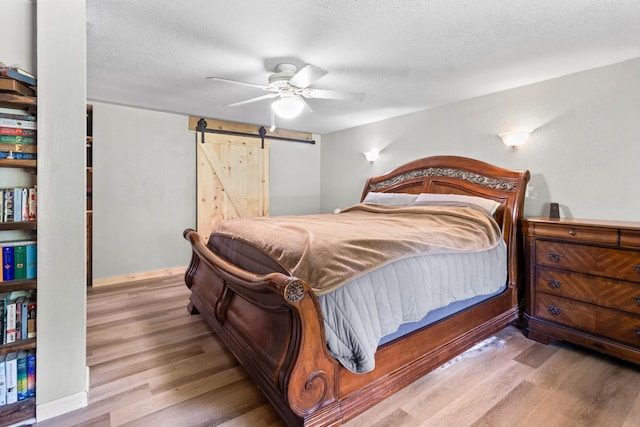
x=461, y=175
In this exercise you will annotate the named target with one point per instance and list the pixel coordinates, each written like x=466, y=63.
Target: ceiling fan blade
x=307, y=107
x=307, y=75
x=333, y=94
x=248, y=101
x=237, y=82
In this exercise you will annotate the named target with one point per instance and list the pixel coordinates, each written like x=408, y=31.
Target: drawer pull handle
x=636, y=268
x=637, y=300
x=555, y=258
x=554, y=284
x=572, y=233
x=554, y=311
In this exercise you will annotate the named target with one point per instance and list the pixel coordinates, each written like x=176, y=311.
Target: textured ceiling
x=406, y=55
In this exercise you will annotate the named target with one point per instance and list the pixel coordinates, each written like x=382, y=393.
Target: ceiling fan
x=291, y=86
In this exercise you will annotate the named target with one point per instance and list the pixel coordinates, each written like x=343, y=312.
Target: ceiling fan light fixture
x=288, y=106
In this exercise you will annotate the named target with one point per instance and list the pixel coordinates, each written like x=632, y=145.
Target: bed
x=274, y=322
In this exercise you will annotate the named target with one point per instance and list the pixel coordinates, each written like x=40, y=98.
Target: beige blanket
x=329, y=250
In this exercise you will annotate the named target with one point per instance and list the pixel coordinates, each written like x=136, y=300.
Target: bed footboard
x=273, y=325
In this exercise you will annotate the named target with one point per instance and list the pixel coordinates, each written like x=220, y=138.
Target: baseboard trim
x=47, y=410
x=116, y=280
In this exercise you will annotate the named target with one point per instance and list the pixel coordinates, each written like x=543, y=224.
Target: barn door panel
x=233, y=180
x=233, y=173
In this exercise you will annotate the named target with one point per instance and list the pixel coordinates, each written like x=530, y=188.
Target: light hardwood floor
x=152, y=364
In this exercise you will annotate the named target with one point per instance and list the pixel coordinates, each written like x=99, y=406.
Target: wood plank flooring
x=152, y=364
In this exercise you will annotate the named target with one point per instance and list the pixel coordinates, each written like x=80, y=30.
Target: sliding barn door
x=232, y=179
x=233, y=173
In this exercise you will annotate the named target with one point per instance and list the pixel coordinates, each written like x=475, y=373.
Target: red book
x=17, y=131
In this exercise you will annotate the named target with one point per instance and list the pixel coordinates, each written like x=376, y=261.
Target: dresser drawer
x=601, y=291
x=600, y=321
x=609, y=262
x=577, y=233
x=630, y=239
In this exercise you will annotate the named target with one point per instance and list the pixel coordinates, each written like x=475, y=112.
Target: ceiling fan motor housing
x=284, y=73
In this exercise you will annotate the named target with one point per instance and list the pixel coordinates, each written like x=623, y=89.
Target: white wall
x=61, y=358
x=294, y=177
x=144, y=190
x=17, y=17
x=582, y=153
x=144, y=187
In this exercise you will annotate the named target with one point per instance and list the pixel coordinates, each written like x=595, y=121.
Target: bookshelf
x=17, y=173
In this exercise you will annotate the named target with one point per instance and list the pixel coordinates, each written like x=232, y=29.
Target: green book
x=17, y=139
x=20, y=262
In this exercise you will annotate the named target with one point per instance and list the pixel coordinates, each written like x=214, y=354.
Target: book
x=31, y=319
x=17, y=123
x=19, y=317
x=7, y=205
x=19, y=262
x=17, y=131
x=10, y=113
x=25, y=317
x=24, y=216
x=10, y=320
x=17, y=204
x=7, y=263
x=3, y=322
x=12, y=85
x=31, y=373
x=19, y=74
x=33, y=195
x=11, y=375
x=21, y=378
x=18, y=148
x=18, y=155
x=17, y=139
x=3, y=379
x=32, y=260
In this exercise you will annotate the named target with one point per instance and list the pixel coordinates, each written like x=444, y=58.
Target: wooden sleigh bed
x=273, y=322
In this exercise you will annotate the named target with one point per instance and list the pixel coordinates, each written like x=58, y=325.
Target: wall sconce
x=514, y=139
x=372, y=155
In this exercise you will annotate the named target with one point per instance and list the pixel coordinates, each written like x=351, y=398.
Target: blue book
x=19, y=74
x=7, y=263
x=22, y=375
x=19, y=155
x=32, y=261
x=31, y=374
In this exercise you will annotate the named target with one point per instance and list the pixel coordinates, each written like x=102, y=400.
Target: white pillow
x=428, y=199
x=390, y=199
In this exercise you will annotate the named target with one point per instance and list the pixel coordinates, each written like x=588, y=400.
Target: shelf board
x=13, y=163
x=14, y=413
x=18, y=285
x=16, y=99
x=20, y=345
x=21, y=225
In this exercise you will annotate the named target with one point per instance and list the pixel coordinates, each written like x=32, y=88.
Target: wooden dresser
x=583, y=284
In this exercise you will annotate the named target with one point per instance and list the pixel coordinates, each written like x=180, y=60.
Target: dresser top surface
x=632, y=225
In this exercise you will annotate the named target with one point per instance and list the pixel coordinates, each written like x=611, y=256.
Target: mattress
x=404, y=296
x=390, y=301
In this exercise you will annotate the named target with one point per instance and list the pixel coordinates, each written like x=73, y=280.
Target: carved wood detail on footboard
x=273, y=325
